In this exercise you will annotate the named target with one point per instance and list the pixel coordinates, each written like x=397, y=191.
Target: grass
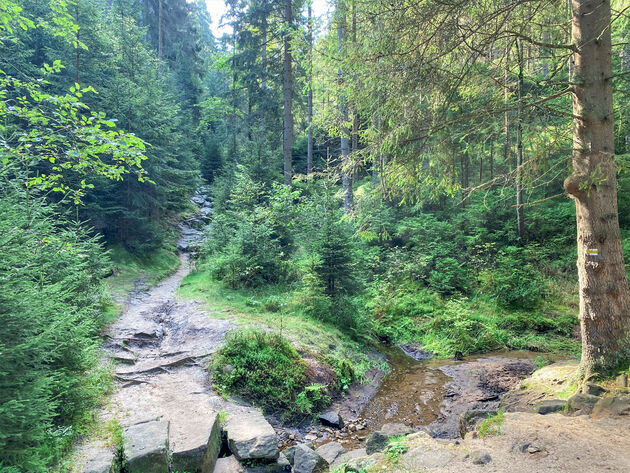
x=396, y=447
x=269, y=307
x=491, y=425
x=128, y=268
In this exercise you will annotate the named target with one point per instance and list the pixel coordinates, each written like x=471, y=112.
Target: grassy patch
x=129, y=268
x=270, y=307
x=396, y=447
x=491, y=425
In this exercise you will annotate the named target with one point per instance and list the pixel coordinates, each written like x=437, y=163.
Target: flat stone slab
x=228, y=465
x=198, y=451
x=101, y=462
x=420, y=459
x=145, y=447
x=347, y=456
x=330, y=451
x=251, y=437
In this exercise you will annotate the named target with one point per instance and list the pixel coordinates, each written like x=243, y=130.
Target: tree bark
x=604, y=299
x=520, y=222
x=346, y=182
x=309, y=148
x=287, y=90
x=263, y=85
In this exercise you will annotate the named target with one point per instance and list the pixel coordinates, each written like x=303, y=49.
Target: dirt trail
x=161, y=346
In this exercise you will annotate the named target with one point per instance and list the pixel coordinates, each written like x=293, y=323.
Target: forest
x=273, y=198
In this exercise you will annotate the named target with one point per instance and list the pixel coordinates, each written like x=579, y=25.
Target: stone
x=198, y=453
x=550, y=406
x=581, y=404
x=289, y=453
x=331, y=418
x=376, y=442
x=394, y=430
x=307, y=460
x=228, y=465
x=618, y=405
x=593, y=389
x=101, y=462
x=480, y=457
x=330, y=451
x=347, y=457
x=622, y=380
x=469, y=419
x=145, y=447
x=280, y=466
x=421, y=459
x=251, y=437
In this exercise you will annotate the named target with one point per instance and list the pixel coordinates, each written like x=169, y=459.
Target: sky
x=217, y=9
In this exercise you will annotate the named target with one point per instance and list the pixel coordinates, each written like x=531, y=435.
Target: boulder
x=330, y=451
x=376, y=442
x=280, y=466
x=251, y=437
x=618, y=405
x=622, y=380
x=347, y=457
x=469, y=420
x=101, y=462
x=332, y=419
x=581, y=404
x=480, y=457
x=145, y=447
x=394, y=430
x=289, y=453
x=550, y=406
x=198, y=453
x=593, y=389
x=422, y=459
x=307, y=460
x=228, y=465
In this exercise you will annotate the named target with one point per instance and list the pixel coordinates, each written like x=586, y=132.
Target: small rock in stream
x=331, y=418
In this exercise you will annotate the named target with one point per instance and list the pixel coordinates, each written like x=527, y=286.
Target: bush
x=265, y=369
x=49, y=325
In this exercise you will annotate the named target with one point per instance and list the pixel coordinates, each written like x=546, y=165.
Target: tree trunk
x=309, y=148
x=520, y=223
x=287, y=90
x=604, y=299
x=346, y=183
x=160, y=29
x=263, y=85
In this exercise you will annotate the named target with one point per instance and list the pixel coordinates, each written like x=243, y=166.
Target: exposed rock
x=581, y=404
x=280, y=466
x=618, y=405
x=376, y=442
x=146, y=447
x=393, y=430
x=421, y=458
x=228, y=465
x=198, y=453
x=330, y=451
x=469, y=419
x=593, y=389
x=101, y=462
x=480, y=457
x=364, y=463
x=289, y=453
x=331, y=418
x=307, y=460
x=347, y=457
x=251, y=437
x=622, y=380
x=550, y=406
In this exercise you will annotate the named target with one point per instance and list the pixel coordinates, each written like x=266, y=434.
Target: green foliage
x=491, y=425
x=313, y=399
x=395, y=448
x=265, y=369
x=49, y=326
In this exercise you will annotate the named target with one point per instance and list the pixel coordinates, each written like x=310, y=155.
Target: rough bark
x=604, y=299
x=287, y=91
x=309, y=148
x=346, y=182
x=520, y=222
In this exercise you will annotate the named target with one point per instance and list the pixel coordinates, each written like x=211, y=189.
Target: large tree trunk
x=287, y=90
x=346, y=182
x=309, y=149
x=604, y=299
x=520, y=221
x=263, y=85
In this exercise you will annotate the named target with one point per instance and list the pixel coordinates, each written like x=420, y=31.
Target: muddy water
x=431, y=394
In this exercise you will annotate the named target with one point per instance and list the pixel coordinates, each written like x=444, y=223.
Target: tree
x=287, y=93
x=604, y=298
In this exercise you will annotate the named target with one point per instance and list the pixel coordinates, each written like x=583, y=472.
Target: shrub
x=263, y=368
